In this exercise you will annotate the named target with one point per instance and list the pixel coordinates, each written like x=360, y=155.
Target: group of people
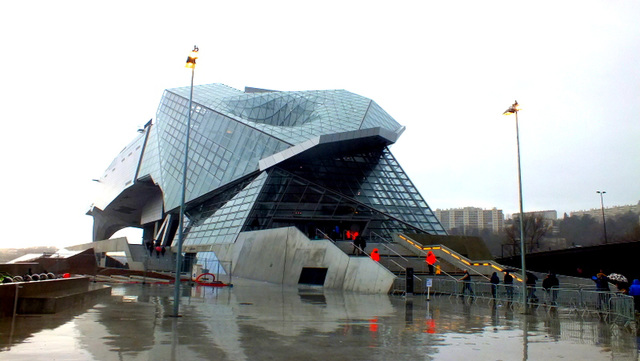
x=602, y=286
x=494, y=280
x=550, y=284
x=508, y=282
x=155, y=246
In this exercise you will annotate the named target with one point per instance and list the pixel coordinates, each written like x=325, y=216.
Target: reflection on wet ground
x=259, y=321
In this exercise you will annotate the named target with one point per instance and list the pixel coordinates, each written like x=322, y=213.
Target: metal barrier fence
x=614, y=307
x=220, y=269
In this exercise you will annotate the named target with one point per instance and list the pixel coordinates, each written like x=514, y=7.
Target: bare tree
x=535, y=228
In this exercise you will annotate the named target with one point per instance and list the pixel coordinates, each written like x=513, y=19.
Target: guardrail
x=322, y=235
x=478, y=268
x=610, y=306
x=221, y=270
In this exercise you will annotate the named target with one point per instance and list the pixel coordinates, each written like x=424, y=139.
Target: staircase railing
x=382, y=241
x=454, y=257
x=324, y=235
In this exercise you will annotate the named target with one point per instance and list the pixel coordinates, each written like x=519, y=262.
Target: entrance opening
x=313, y=275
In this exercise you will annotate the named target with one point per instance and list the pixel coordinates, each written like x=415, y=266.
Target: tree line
x=541, y=234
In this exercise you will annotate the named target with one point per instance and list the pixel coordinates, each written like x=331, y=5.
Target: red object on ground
x=431, y=258
x=66, y=275
x=208, y=279
x=375, y=255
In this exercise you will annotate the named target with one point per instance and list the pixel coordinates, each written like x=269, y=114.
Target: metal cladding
x=262, y=159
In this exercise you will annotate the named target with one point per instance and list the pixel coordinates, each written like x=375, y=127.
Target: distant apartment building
x=596, y=213
x=468, y=218
x=550, y=215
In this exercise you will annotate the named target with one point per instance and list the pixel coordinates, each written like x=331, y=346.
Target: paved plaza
x=259, y=321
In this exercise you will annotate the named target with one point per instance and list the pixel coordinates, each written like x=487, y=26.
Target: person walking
x=550, y=285
x=602, y=287
x=150, y=247
x=363, y=245
x=495, y=280
x=359, y=244
x=466, y=283
x=508, y=284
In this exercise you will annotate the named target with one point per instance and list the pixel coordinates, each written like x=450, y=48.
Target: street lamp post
x=191, y=63
x=604, y=221
x=513, y=109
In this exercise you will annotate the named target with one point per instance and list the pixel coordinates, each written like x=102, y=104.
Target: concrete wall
x=112, y=245
x=46, y=289
x=278, y=256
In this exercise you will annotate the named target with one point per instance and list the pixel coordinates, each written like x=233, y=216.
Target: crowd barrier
x=614, y=307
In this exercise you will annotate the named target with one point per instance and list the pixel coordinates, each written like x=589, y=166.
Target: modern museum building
x=274, y=181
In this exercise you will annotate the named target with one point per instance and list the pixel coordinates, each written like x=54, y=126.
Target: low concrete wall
x=47, y=287
x=48, y=296
x=279, y=255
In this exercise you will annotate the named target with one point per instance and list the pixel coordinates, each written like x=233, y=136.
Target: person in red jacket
x=375, y=255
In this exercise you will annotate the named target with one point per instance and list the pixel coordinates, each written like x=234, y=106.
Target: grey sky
x=79, y=78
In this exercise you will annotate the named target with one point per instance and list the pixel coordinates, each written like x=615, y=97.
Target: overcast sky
x=78, y=79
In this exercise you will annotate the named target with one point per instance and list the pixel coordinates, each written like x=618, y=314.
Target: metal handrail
x=384, y=240
x=384, y=244
x=324, y=235
x=461, y=258
x=396, y=253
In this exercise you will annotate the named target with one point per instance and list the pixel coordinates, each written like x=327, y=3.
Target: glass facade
x=221, y=149
x=220, y=219
x=329, y=170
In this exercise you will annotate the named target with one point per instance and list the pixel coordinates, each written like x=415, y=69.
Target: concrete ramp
x=140, y=256
x=283, y=255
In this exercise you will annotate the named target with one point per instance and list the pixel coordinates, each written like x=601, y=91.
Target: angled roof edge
x=383, y=136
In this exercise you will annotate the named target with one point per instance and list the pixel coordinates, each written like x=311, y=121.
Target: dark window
x=313, y=275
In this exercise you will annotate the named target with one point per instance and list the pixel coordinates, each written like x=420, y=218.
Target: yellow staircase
x=443, y=253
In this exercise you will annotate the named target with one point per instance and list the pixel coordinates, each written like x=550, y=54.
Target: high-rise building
x=259, y=160
x=466, y=219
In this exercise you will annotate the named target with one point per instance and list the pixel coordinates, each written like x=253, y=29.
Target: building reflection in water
x=408, y=312
x=253, y=321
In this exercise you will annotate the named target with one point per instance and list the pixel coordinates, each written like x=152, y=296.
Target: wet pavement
x=259, y=321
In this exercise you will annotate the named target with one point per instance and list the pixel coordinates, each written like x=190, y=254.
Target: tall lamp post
x=513, y=109
x=604, y=221
x=191, y=63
